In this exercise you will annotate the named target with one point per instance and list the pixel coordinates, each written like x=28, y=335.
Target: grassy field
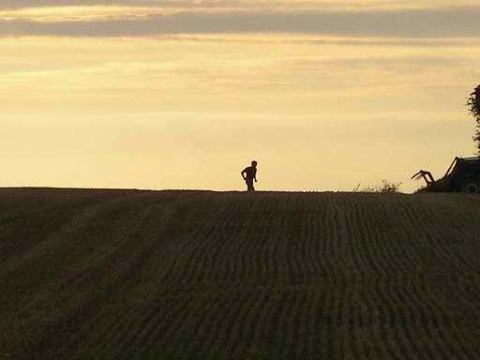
x=125, y=274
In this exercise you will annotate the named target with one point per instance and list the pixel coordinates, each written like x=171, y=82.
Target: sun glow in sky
x=184, y=94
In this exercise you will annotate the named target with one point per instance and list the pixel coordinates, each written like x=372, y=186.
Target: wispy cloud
x=426, y=23
x=248, y=4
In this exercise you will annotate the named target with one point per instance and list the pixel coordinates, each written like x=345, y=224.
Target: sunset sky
x=183, y=94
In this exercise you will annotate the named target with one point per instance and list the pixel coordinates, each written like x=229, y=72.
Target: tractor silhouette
x=463, y=175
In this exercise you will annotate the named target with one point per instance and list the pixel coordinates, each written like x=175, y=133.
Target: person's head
x=254, y=163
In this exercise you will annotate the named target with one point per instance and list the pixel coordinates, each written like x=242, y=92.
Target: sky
x=182, y=94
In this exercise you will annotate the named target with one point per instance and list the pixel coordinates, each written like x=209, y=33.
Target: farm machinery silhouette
x=463, y=175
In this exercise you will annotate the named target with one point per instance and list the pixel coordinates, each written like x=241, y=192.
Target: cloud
x=248, y=4
x=426, y=23
x=23, y=4
x=185, y=4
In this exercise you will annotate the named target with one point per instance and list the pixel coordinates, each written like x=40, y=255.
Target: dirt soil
x=128, y=274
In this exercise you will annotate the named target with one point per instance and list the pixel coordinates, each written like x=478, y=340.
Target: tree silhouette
x=473, y=104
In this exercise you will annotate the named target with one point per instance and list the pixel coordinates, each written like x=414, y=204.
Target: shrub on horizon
x=385, y=187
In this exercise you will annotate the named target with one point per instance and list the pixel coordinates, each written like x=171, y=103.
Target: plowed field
x=124, y=274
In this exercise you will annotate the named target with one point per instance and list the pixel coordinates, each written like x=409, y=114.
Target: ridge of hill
x=126, y=274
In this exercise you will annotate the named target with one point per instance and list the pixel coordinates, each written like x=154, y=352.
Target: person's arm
x=244, y=171
x=255, y=175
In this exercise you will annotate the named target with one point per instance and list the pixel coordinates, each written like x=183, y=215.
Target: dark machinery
x=463, y=175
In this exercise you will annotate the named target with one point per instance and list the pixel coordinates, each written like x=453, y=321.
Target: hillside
x=126, y=274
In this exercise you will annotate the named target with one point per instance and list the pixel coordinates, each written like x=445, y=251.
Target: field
x=127, y=274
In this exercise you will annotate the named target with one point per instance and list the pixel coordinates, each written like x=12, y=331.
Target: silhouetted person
x=249, y=174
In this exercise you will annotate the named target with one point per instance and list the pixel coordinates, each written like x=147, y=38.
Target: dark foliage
x=473, y=104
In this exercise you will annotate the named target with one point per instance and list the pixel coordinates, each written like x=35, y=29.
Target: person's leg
x=250, y=185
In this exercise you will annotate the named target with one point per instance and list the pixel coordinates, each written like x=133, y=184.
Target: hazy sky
x=185, y=93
